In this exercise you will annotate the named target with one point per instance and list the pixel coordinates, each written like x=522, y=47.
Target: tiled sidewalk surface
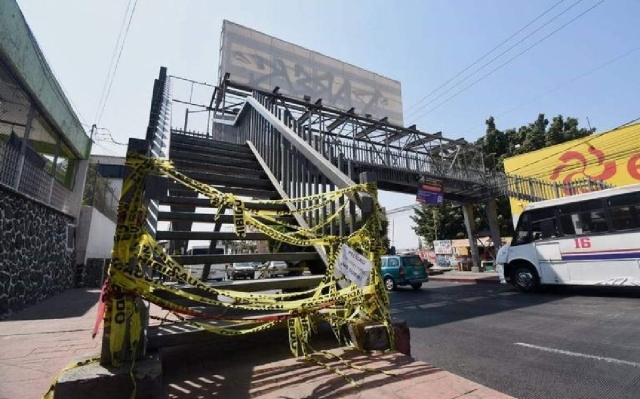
x=258, y=375
x=38, y=342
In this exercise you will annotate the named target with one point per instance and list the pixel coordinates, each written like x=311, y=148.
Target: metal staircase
x=231, y=168
x=264, y=156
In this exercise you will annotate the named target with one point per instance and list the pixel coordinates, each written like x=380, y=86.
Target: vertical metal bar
x=341, y=227
x=54, y=168
x=310, y=169
x=316, y=181
x=303, y=178
x=332, y=229
x=23, y=147
x=283, y=165
x=352, y=204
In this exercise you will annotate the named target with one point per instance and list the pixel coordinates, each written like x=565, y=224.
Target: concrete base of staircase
x=97, y=382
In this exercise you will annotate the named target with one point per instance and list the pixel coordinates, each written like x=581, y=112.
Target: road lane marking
x=577, y=354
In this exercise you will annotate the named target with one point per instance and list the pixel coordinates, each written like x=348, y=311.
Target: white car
x=278, y=268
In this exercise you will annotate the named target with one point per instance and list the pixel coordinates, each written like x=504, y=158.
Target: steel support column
x=494, y=227
x=470, y=225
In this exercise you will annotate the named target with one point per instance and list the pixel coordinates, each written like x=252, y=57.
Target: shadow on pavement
x=70, y=303
x=264, y=367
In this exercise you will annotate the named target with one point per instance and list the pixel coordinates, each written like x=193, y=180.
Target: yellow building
x=613, y=157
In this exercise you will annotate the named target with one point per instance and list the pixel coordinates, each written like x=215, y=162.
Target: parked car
x=216, y=271
x=242, y=269
x=278, y=268
x=401, y=270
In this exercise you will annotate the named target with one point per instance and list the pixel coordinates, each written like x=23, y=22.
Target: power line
x=113, y=57
x=115, y=69
x=509, y=60
x=401, y=209
x=497, y=56
x=628, y=123
x=484, y=56
x=104, y=148
x=597, y=68
x=614, y=154
x=110, y=136
x=563, y=150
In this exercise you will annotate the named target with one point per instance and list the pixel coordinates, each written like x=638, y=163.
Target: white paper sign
x=355, y=267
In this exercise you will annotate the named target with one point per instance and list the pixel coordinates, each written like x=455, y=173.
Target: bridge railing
x=301, y=163
x=379, y=155
x=530, y=189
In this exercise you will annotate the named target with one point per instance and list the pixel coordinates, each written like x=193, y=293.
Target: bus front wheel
x=524, y=278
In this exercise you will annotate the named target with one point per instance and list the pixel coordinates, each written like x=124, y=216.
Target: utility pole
x=435, y=223
x=393, y=232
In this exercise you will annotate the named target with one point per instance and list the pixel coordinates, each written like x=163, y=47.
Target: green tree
x=447, y=222
x=439, y=222
x=556, y=133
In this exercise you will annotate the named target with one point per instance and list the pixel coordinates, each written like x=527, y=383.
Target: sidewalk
x=38, y=342
x=261, y=373
x=454, y=276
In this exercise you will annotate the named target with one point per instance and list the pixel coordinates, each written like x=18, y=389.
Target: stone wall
x=34, y=261
x=94, y=272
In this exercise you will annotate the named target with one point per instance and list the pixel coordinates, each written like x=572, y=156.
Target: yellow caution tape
x=136, y=254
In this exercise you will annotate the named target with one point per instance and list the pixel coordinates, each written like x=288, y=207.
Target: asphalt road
x=561, y=343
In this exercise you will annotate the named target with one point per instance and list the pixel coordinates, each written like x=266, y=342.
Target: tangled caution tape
x=349, y=292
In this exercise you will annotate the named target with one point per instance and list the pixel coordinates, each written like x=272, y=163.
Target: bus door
x=546, y=237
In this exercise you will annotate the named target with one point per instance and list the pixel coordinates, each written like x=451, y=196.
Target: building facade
x=43, y=164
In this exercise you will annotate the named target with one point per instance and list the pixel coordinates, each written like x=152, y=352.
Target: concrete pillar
x=74, y=201
x=494, y=228
x=470, y=224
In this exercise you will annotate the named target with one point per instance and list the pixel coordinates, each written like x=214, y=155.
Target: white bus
x=585, y=239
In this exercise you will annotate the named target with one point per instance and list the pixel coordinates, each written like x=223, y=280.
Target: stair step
x=231, y=258
x=205, y=203
x=254, y=172
x=250, y=285
x=176, y=155
x=230, y=181
x=210, y=218
x=210, y=151
x=174, y=334
x=175, y=188
x=207, y=235
x=208, y=142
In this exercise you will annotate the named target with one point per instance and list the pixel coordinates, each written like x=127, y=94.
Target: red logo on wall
x=573, y=165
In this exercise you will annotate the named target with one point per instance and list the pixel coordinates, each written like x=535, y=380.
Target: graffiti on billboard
x=264, y=62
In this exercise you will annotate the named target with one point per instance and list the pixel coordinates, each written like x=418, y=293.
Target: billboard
x=263, y=62
x=442, y=247
x=612, y=156
x=430, y=193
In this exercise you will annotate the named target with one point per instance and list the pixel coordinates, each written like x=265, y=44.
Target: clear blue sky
x=420, y=43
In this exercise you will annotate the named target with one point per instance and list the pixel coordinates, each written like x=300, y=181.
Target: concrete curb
x=479, y=280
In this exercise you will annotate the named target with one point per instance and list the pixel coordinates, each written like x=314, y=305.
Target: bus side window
x=625, y=211
x=583, y=218
x=544, y=224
